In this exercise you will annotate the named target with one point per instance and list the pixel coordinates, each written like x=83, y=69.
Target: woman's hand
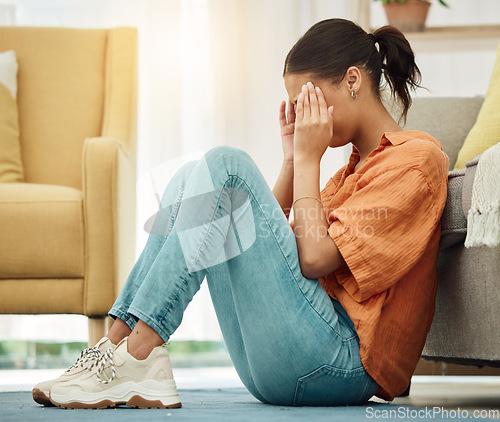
x=313, y=124
x=287, y=125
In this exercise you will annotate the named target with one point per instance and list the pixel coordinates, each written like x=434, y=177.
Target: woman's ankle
x=142, y=340
x=118, y=331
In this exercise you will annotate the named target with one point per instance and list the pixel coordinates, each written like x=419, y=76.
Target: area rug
x=227, y=404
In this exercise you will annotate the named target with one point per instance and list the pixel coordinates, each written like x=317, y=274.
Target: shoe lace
x=86, y=355
x=102, y=362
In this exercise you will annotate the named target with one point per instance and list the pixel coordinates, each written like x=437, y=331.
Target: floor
x=217, y=394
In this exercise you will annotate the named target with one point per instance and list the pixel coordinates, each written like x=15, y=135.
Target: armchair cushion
x=42, y=231
x=11, y=168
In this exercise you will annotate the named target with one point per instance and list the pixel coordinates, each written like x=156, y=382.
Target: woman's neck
x=375, y=121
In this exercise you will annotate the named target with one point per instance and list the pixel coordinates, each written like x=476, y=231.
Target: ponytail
x=331, y=46
x=398, y=65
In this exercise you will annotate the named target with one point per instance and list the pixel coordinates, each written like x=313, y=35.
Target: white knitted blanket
x=483, y=221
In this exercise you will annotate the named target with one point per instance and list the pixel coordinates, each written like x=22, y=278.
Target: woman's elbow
x=316, y=267
x=309, y=268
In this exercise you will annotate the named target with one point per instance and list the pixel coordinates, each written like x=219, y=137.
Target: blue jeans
x=290, y=343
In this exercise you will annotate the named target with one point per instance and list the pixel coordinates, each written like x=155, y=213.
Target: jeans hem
x=151, y=322
x=127, y=319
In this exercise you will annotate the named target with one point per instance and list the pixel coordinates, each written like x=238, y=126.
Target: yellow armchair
x=67, y=234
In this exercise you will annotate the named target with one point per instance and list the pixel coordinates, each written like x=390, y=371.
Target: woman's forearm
x=283, y=188
x=318, y=254
x=309, y=217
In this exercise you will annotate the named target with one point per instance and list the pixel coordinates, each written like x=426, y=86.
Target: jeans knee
x=181, y=175
x=186, y=169
x=222, y=151
x=177, y=182
x=231, y=161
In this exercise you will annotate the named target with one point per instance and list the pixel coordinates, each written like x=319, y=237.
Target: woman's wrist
x=305, y=161
x=286, y=171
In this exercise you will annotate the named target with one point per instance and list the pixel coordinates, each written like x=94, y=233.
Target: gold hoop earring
x=354, y=96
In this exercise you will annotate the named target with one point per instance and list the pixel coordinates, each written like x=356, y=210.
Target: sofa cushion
x=11, y=167
x=432, y=115
x=486, y=132
x=42, y=231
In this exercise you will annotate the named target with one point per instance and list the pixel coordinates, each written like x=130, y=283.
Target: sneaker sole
x=135, y=401
x=141, y=403
x=146, y=395
x=41, y=398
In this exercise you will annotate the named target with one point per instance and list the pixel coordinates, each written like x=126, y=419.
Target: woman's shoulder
x=413, y=139
x=331, y=185
x=418, y=150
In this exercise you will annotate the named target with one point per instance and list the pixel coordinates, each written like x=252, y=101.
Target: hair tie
x=372, y=37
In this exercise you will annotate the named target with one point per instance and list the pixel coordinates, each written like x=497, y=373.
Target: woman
x=329, y=311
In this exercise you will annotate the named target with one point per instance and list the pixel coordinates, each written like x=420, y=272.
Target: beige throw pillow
x=11, y=167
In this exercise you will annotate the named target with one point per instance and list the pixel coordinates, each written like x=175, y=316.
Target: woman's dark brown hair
x=331, y=46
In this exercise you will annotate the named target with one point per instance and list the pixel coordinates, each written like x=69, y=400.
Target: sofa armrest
x=109, y=218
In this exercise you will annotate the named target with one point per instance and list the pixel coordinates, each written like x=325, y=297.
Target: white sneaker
x=118, y=378
x=41, y=391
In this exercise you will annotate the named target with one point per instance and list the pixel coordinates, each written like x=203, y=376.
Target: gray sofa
x=466, y=323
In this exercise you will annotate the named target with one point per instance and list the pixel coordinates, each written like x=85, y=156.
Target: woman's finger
x=313, y=99
x=282, y=115
x=323, y=108
x=299, y=113
x=307, y=104
x=291, y=112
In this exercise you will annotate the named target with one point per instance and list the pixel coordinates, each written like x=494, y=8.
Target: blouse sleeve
x=384, y=228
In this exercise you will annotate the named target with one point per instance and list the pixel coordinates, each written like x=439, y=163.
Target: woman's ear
x=353, y=78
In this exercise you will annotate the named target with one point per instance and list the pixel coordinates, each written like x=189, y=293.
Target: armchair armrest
x=109, y=217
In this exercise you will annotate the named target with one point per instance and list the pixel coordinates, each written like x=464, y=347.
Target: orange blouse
x=385, y=221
